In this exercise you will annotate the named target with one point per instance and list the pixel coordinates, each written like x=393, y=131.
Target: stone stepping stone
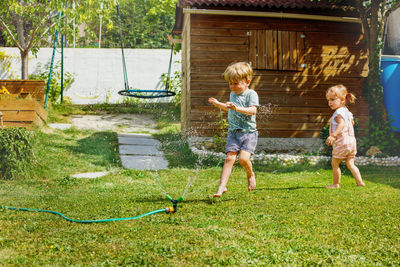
x=60, y=126
x=134, y=140
x=139, y=150
x=144, y=162
x=89, y=175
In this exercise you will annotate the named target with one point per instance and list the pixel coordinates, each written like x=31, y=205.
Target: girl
x=341, y=134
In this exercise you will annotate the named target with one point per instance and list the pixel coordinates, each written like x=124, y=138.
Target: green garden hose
x=167, y=210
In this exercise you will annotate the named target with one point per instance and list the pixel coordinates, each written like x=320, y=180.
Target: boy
x=242, y=131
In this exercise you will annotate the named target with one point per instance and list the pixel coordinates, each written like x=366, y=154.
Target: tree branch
x=393, y=7
x=364, y=20
x=48, y=28
x=41, y=24
x=11, y=35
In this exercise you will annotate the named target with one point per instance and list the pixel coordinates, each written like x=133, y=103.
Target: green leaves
x=145, y=24
x=42, y=73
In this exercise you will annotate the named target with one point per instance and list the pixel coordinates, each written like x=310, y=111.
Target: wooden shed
x=298, y=49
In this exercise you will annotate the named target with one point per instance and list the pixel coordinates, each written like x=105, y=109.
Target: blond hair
x=237, y=72
x=340, y=91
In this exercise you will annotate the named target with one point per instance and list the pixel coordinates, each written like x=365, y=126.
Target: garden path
x=137, y=148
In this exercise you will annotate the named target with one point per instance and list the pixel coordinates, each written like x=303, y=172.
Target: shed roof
x=325, y=4
x=317, y=7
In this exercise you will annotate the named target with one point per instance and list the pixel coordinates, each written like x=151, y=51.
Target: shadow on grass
x=103, y=145
x=207, y=200
x=383, y=175
x=288, y=188
x=275, y=168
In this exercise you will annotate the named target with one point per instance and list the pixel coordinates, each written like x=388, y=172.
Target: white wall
x=98, y=72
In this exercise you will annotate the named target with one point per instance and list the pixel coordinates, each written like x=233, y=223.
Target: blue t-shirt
x=240, y=121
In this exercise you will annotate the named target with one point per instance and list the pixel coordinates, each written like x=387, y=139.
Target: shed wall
x=333, y=52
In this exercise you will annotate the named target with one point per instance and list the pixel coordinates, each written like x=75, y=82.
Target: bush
x=380, y=134
x=15, y=152
x=42, y=73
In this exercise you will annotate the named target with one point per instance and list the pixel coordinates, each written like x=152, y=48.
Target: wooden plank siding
x=186, y=73
x=311, y=57
x=23, y=109
x=34, y=87
x=22, y=113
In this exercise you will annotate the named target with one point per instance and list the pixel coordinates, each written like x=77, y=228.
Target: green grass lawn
x=290, y=219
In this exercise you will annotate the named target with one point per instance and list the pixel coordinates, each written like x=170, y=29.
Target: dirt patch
x=121, y=123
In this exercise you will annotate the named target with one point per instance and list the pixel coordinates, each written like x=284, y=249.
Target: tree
x=144, y=23
x=27, y=23
x=373, y=14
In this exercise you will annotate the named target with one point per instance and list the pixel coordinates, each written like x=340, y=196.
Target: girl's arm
x=218, y=104
x=339, y=128
x=244, y=110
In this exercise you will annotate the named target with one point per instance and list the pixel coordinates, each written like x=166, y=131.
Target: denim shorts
x=237, y=141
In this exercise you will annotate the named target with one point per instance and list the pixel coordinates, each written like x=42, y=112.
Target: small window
x=276, y=50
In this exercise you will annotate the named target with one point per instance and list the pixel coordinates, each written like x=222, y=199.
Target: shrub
x=42, y=73
x=15, y=152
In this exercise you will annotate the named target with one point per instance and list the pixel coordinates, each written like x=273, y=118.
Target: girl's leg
x=336, y=173
x=355, y=171
x=244, y=160
x=226, y=172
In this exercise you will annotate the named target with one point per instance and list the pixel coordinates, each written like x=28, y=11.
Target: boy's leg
x=226, y=172
x=336, y=173
x=355, y=171
x=244, y=160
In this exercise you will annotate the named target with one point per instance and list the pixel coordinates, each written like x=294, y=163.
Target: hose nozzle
x=170, y=210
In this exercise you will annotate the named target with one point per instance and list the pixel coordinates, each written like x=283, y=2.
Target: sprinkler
x=175, y=202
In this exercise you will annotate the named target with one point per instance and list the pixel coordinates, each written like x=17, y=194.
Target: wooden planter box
x=23, y=107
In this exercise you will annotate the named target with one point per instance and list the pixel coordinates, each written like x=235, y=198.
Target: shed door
x=276, y=50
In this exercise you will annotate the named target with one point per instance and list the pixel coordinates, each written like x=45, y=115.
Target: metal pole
x=101, y=20
x=73, y=6
x=51, y=65
x=62, y=67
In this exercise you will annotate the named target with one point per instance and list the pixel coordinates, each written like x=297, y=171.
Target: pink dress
x=345, y=146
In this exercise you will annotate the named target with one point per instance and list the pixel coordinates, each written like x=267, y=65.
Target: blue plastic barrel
x=390, y=78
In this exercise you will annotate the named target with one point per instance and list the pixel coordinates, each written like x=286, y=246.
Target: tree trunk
x=24, y=64
x=372, y=22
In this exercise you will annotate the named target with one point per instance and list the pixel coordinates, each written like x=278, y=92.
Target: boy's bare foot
x=333, y=186
x=361, y=184
x=251, y=182
x=220, y=194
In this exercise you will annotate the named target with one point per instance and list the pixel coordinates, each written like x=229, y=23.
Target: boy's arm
x=218, y=104
x=252, y=110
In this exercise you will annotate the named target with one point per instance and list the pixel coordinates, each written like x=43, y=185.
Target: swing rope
x=142, y=93
x=122, y=51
